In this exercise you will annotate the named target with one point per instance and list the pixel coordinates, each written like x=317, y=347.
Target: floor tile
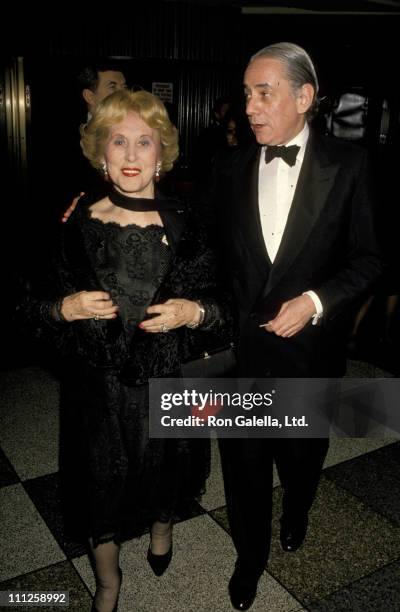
x=345, y=541
x=214, y=495
x=221, y=517
x=340, y=449
x=350, y=560
x=44, y=492
x=26, y=542
x=197, y=578
x=362, y=369
x=366, y=408
x=59, y=577
x=376, y=592
x=8, y=475
x=343, y=449
x=29, y=421
x=374, y=478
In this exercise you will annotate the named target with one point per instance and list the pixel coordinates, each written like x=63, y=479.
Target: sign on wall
x=163, y=90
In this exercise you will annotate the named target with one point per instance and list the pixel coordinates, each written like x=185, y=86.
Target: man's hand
x=292, y=317
x=71, y=208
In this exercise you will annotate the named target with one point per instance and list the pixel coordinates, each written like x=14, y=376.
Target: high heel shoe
x=115, y=608
x=159, y=563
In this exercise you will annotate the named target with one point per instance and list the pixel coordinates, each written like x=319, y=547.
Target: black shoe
x=292, y=535
x=159, y=563
x=115, y=608
x=242, y=596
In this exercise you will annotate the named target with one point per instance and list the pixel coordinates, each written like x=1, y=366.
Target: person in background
x=230, y=130
x=236, y=128
x=96, y=81
x=132, y=290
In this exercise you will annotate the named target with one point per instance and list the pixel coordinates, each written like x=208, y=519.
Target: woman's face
x=132, y=152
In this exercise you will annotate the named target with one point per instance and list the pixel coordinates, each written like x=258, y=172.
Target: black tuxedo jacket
x=328, y=246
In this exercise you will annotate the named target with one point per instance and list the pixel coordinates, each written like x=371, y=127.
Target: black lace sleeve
x=99, y=343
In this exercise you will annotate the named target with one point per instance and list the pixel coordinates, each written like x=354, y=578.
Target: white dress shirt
x=276, y=187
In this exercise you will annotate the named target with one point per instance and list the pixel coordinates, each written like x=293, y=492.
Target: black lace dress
x=117, y=481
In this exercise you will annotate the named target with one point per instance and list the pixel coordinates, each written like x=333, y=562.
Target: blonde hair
x=114, y=109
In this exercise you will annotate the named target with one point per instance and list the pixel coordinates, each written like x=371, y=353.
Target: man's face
x=275, y=112
x=109, y=81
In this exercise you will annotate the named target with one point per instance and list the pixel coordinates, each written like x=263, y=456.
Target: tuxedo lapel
x=316, y=178
x=247, y=220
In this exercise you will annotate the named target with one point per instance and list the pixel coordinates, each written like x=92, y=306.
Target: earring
x=158, y=169
x=105, y=171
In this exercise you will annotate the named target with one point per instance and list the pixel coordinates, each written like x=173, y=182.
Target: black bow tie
x=288, y=154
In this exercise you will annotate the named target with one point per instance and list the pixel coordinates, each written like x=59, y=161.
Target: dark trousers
x=247, y=472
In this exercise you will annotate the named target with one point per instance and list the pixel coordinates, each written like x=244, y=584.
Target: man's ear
x=88, y=96
x=304, y=98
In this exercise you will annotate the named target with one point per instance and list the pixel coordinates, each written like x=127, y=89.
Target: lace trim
x=115, y=224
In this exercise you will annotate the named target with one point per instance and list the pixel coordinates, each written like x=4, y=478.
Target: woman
x=132, y=294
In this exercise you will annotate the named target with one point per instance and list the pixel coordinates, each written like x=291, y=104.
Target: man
x=96, y=82
x=296, y=226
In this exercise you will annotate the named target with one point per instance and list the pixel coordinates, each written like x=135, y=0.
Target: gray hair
x=299, y=68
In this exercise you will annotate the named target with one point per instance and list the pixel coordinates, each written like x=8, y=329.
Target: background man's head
x=220, y=108
x=281, y=88
x=98, y=81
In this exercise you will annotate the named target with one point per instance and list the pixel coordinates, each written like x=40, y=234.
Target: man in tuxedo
x=297, y=235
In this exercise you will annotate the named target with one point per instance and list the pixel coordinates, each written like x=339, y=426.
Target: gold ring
x=96, y=317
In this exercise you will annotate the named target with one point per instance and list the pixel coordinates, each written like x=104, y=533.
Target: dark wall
x=202, y=50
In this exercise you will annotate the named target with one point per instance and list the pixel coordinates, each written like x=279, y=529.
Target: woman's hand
x=172, y=314
x=88, y=305
x=71, y=208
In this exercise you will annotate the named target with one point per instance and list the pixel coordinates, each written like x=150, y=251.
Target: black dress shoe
x=115, y=608
x=292, y=535
x=242, y=596
x=159, y=563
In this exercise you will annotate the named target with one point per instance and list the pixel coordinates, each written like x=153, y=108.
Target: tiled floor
x=350, y=559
